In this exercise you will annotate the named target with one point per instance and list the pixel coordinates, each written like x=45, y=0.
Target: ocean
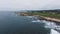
x=12, y=23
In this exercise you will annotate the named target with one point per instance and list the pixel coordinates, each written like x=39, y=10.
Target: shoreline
x=42, y=17
x=50, y=19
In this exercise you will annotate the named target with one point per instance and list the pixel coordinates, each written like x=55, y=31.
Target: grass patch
x=46, y=14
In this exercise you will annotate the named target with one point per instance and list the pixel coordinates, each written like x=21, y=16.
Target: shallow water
x=11, y=23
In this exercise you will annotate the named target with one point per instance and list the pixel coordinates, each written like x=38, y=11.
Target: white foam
x=54, y=32
x=36, y=21
x=49, y=24
x=30, y=16
x=58, y=27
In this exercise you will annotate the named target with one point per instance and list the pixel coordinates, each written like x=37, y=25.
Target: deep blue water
x=11, y=23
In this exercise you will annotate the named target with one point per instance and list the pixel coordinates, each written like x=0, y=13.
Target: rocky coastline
x=40, y=17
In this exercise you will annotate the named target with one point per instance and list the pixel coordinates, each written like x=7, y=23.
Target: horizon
x=29, y=10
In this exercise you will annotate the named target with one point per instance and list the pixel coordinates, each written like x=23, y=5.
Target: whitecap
x=54, y=32
x=36, y=21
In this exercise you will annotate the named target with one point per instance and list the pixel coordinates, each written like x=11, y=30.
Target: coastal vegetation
x=46, y=13
x=50, y=15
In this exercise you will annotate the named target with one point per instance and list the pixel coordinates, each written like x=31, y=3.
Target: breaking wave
x=48, y=24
